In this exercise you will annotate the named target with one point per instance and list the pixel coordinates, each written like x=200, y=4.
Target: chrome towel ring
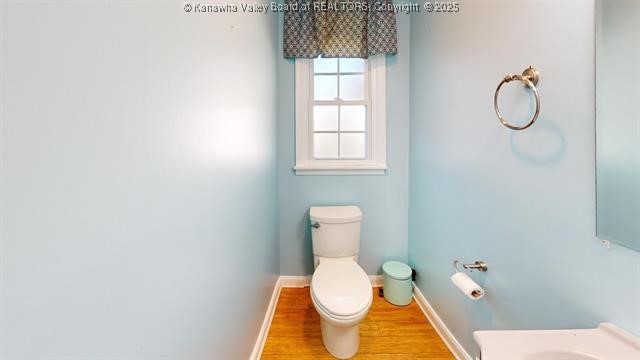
x=529, y=77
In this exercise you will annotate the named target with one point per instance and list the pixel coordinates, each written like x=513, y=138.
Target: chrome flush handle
x=314, y=225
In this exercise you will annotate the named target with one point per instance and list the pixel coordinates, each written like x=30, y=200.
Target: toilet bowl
x=341, y=293
x=340, y=290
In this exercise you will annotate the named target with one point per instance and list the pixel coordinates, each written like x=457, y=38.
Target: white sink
x=559, y=354
x=606, y=342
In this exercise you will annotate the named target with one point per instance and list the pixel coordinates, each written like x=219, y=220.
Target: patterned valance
x=339, y=28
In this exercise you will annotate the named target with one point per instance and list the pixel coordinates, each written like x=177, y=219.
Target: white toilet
x=340, y=289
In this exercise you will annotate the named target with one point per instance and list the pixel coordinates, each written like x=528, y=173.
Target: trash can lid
x=397, y=270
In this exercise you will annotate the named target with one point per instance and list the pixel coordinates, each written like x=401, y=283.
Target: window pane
x=351, y=65
x=325, y=87
x=325, y=118
x=353, y=118
x=325, y=146
x=321, y=65
x=352, y=146
x=351, y=87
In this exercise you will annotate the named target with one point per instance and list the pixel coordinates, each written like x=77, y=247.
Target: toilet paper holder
x=478, y=265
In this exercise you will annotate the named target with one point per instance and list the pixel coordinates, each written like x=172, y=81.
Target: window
x=340, y=116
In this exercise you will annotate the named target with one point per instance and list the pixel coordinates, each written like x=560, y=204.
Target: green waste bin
x=397, y=283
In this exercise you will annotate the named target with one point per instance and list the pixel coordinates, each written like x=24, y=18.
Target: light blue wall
x=138, y=151
x=524, y=202
x=383, y=199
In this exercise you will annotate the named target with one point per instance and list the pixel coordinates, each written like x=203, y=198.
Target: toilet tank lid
x=335, y=214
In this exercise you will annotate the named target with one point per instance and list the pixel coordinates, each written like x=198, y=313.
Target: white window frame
x=376, y=161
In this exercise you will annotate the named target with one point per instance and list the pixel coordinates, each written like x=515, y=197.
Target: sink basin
x=556, y=355
x=606, y=342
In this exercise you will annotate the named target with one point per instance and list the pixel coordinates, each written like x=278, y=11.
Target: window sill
x=340, y=170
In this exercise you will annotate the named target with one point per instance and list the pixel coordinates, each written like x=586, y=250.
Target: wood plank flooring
x=388, y=331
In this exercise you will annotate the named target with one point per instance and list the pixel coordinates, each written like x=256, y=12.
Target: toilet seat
x=344, y=320
x=341, y=289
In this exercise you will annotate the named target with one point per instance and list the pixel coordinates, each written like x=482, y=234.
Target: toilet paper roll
x=468, y=287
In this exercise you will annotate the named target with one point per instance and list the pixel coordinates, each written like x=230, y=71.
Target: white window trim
x=376, y=164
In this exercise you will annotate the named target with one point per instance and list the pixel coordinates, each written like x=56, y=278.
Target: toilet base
x=341, y=342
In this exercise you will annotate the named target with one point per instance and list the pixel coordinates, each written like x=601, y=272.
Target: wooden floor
x=388, y=332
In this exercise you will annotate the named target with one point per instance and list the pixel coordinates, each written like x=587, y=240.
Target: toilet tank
x=335, y=231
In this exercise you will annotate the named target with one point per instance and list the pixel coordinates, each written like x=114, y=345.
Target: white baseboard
x=295, y=281
x=266, y=323
x=305, y=281
x=447, y=336
x=376, y=280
